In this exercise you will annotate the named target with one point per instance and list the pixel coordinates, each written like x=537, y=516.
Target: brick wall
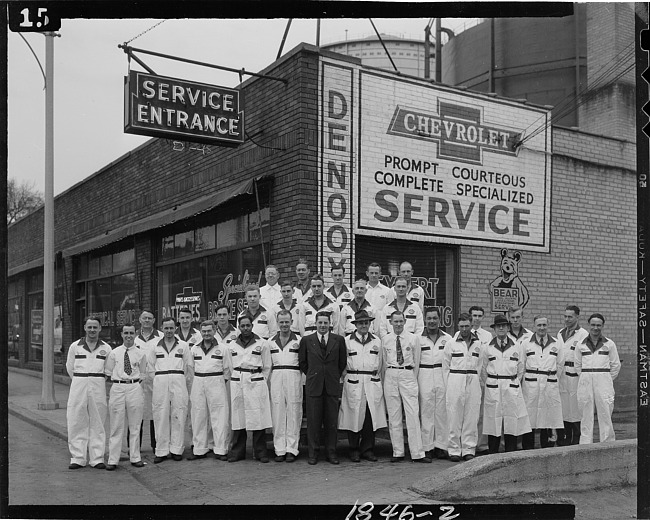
x=593, y=236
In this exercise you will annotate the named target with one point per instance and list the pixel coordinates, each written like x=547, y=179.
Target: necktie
x=127, y=363
x=400, y=354
x=323, y=345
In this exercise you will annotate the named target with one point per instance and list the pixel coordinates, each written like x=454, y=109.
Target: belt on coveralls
x=127, y=382
x=286, y=367
x=453, y=371
x=595, y=370
x=402, y=368
x=366, y=372
x=87, y=374
x=163, y=372
x=541, y=372
x=206, y=374
x=435, y=365
x=502, y=377
x=251, y=370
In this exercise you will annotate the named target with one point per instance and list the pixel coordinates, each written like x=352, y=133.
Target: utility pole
x=427, y=51
x=438, y=53
x=48, y=401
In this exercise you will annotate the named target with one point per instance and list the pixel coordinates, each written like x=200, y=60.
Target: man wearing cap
x=86, y=411
x=544, y=360
x=568, y=340
x=362, y=409
x=250, y=360
x=401, y=357
x=460, y=365
x=126, y=367
x=431, y=385
x=504, y=409
x=322, y=359
x=346, y=325
x=598, y=365
x=286, y=390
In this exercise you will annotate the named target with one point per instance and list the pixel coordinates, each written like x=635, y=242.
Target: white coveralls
x=264, y=324
x=249, y=392
x=432, y=392
x=168, y=368
x=209, y=398
x=286, y=394
x=346, y=327
x=401, y=390
x=598, y=366
x=412, y=315
x=86, y=410
x=362, y=384
x=296, y=314
x=569, y=377
x=460, y=366
x=343, y=298
x=192, y=337
x=126, y=396
x=310, y=309
x=226, y=337
x=540, y=385
x=414, y=293
x=379, y=296
x=504, y=409
x=147, y=345
x=523, y=335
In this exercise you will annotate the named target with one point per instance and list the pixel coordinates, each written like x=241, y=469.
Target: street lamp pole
x=48, y=401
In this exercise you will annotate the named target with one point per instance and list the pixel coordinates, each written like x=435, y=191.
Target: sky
x=89, y=69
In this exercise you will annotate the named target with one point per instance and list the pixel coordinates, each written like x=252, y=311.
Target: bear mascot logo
x=508, y=287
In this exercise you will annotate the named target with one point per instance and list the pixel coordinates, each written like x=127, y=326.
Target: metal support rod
x=491, y=71
x=284, y=38
x=131, y=50
x=427, y=51
x=383, y=45
x=47, y=401
x=438, y=52
x=142, y=63
x=318, y=33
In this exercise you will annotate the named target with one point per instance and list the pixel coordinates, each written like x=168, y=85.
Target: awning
x=168, y=216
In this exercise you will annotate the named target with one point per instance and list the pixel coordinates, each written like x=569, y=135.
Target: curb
x=37, y=420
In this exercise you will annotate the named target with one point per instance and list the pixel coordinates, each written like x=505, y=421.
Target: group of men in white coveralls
x=300, y=341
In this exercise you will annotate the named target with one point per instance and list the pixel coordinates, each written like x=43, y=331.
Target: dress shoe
x=192, y=456
x=369, y=455
x=469, y=456
x=111, y=467
x=138, y=464
x=101, y=465
x=482, y=452
x=333, y=460
x=221, y=457
x=158, y=460
x=264, y=459
x=454, y=458
x=397, y=459
x=312, y=461
x=280, y=458
x=74, y=465
x=290, y=457
x=177, y=457
x=423, y=459
x=440, y=454
x=232, y=458
x=354, y=456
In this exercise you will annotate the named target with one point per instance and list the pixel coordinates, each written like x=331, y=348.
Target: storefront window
x=433, y=266
x=14, y=311
x=35, y=309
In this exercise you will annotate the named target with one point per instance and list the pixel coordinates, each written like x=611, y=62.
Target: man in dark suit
x=322, y=359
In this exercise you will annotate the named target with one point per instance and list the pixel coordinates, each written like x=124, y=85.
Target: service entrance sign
x=159, y=106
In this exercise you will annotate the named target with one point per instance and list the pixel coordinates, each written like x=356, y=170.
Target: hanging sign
x=160, y=106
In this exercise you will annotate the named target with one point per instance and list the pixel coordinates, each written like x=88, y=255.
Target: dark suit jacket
x=323, y=373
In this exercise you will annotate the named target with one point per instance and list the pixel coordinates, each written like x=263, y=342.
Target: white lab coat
x=598, y=366
x=362, y=388
x=209, y=398
x=568, y=380
x=432, y=392
x=286, y=394
x=249, y=392
x=168, y=369
x=461, y=365
x=540, y=385
x=86, y=410
x=504, y=409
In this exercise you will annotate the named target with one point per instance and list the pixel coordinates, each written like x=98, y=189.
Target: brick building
x=345, y=164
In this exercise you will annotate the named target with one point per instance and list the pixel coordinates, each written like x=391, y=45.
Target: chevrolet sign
x=159, y=106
